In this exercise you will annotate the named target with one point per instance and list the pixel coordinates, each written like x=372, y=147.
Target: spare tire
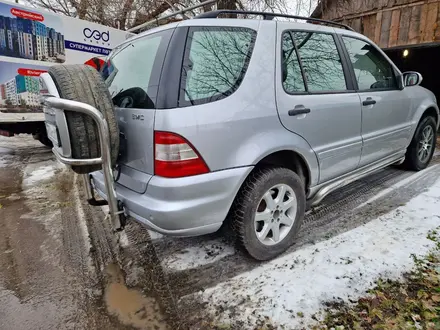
x=84, y=84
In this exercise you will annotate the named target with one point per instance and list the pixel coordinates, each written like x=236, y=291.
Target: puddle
x=130, y=306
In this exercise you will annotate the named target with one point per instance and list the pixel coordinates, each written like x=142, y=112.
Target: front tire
x=268, y=212
x=422, y=147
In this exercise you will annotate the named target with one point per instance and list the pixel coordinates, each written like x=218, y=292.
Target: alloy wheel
x=275, y=214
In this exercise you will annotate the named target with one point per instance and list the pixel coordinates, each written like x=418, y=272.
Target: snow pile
x=343, y=267
x=34, y=175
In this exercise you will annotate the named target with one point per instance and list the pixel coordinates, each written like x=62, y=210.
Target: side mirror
x=412, y=78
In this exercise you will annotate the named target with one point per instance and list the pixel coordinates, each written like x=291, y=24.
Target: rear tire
x=265, y=229
x=82, y=83
x=417, y=156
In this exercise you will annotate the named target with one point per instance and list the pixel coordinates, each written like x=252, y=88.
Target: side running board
x=318, y=193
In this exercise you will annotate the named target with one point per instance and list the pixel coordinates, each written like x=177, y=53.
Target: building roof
x=322, y=4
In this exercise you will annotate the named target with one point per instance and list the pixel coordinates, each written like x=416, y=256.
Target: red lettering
x=27, y=15
x=30, y=72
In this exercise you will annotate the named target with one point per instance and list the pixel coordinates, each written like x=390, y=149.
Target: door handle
x=368, y=101
x=299, y=110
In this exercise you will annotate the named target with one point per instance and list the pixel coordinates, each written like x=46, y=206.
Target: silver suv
x=251, y=122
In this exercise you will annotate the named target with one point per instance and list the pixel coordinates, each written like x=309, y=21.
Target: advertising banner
x=31, y=40
x=19, y=87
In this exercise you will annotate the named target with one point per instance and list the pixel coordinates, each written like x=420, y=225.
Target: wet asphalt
x=48, y=277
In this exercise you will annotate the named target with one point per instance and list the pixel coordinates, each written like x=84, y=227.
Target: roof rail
x=270, y=16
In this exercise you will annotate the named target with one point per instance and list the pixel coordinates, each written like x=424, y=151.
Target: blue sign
x=73, y=45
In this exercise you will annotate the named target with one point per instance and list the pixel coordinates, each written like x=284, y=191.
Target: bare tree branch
x=128, y=13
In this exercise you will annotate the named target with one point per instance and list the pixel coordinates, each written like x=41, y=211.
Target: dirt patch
x=47, y=279
x=129, y=305
x=143, y=269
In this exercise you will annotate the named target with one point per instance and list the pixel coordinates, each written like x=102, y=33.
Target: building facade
x=2, y=94
x=29, y=39
x=11, y=91
x=28, y=90
x=20, y=90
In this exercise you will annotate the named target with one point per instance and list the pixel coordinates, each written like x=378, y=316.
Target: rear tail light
x=175, y=157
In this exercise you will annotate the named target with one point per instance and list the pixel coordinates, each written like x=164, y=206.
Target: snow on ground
x=4, y=160
x=39, y=173
x=155, y=236
x=208, y=252
x=343, y=267
x=6, y=157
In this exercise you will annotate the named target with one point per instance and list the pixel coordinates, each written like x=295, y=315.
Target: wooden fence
x=394, y=23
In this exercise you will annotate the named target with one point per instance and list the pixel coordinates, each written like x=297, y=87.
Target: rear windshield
x=215, y=62
x=132, y=73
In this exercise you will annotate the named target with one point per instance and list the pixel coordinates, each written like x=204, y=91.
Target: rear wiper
x=189, y=97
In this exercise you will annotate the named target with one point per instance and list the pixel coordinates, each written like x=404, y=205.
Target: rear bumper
x=189, y=206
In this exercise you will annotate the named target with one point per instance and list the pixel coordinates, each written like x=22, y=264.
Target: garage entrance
x=425, y=60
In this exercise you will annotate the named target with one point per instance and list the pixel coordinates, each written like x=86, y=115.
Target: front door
x=386, y=122
x=316, y=100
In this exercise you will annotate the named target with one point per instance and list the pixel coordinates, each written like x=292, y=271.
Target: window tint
x=321, y=61
x=132, y=73
x=216, y=60
x=293, y=81
x=372, y=70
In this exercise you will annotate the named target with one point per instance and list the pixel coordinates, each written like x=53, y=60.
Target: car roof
x=249, y=23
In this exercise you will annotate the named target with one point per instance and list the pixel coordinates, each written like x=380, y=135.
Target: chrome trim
x=319, y=192
x=60, y=105
x=76, y=162
x=50, y=84
x=88, y=186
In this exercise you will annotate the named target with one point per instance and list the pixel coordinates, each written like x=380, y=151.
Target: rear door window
x=293, y=80
x=132, y=74
x=321, y=61
x=215, y=62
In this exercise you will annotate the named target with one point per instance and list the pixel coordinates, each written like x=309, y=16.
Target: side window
x=372, y=70
x=215, y=62
x=293, y=81
x=132, y=73
x=321, y=61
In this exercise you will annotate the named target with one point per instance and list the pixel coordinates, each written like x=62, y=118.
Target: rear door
x=386, y=121
x=316, y=99
x=132, y=74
